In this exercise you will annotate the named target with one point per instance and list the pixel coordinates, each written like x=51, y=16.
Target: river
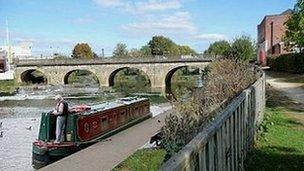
x=20, y=118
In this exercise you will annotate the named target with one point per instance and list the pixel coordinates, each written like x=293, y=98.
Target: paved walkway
x=105, y=155
x=291, y=84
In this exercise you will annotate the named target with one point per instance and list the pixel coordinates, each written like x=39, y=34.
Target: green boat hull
x=42, y=156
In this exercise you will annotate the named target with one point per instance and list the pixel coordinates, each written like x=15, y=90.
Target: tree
x=161, y=45
x=243, y=48
x=120, y=50
x=82, y=50
x=219, y=48
x=145, y=50
x=295, y=25
x=186, y=50
x=135, y=53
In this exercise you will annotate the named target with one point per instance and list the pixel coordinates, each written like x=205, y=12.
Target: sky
x=55, y=26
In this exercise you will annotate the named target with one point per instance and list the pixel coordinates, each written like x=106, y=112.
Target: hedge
x=293, y=63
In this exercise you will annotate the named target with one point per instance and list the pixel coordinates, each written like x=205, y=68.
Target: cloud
x=140, y=6
x=2, y=36
x=210, y=37
x=157, y=5
x=153, y=16
x=25, y=40
x=109, y=3
x=176, y=23
x=83, y=20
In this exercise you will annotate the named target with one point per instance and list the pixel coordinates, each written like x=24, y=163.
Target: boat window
x=136, y=111
x=146, y=109
x=104, y=123
x=114, y=119
x=86, y=127
x=122, y=116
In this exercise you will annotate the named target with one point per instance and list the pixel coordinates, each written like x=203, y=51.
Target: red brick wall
x=279, y=28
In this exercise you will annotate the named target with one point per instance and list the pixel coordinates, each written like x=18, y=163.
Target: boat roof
x=113, y=104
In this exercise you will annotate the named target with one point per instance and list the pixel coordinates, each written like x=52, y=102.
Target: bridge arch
x=113, y=74
x=137, y=71
x=83, y=72
x=195, y=70
x=34, y=76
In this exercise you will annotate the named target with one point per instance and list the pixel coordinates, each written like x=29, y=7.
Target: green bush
x=224, y=81
x=8, y=87
x=293, y=63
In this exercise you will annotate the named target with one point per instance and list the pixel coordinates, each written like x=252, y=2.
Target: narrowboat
x=86, y=125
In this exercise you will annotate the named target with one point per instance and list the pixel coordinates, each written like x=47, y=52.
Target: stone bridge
x=56, y=72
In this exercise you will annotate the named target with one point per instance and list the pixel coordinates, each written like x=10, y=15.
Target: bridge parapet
x=98, y=61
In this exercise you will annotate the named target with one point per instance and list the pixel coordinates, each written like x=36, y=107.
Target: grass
x=7, y=86
x=143, y=160
x=280, y=143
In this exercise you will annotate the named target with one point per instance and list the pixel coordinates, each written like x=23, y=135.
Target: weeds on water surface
x=224, y=80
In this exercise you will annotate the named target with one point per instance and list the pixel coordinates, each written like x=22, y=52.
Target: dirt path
x=292, y=85
x=288, y=92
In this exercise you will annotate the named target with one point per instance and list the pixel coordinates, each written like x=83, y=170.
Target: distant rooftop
x=289, y=11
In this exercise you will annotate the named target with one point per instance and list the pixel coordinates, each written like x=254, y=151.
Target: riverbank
x=279, y=144
x=8, y=87
x=70, y=92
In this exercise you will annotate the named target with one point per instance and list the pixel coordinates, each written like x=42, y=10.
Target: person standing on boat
x=61, y=111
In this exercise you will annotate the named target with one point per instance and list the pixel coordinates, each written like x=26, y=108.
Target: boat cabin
x=86, y=125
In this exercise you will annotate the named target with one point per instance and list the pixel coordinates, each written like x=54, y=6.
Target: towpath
x=105, y=155
x=290, y=84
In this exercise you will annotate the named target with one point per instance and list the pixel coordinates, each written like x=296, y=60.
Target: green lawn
x=143, y=160
x=280, y=144
x=8, y=86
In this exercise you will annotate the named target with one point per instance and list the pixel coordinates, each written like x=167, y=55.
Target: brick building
x=270, y=34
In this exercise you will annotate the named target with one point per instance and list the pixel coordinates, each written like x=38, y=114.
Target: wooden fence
x=224, y=144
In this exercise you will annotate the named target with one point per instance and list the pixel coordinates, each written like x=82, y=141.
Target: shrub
x=224, y=81
x=243, y=48
x=293, y=63
x=82, y=51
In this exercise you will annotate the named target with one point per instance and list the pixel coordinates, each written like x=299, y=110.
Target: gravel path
x=292, y=85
